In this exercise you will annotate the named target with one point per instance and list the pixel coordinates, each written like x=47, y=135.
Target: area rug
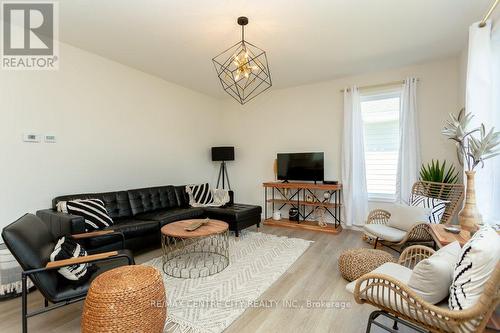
x=211, y=304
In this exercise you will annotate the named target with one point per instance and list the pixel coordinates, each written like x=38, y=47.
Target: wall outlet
x=49, y=138
x=31, y=137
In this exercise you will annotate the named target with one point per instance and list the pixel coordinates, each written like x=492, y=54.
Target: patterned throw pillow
x=92, y=210
x=67, y=248
x=476, y=263
x=199, y=195
x=437, y=206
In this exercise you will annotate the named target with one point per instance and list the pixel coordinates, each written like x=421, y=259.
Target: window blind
x=381, y=136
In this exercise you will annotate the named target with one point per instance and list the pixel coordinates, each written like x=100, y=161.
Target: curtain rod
x=393, y=83
x=487, y=16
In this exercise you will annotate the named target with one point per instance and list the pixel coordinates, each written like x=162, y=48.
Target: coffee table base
x=196, y=257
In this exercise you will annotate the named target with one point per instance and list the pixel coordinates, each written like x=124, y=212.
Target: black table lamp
x=223, y=154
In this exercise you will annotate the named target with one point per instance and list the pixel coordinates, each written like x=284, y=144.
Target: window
x=380, y=114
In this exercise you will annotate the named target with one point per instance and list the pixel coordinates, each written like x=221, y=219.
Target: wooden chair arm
x=393, y=296
x=80, y=260
x=92, y=234
x=378, y=216
x=412, y=255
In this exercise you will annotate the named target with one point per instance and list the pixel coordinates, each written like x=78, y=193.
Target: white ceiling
x=306, y=40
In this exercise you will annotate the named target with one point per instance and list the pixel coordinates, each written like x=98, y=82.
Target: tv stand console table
x=277, y=195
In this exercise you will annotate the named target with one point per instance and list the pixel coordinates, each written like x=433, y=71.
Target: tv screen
x=301, y=166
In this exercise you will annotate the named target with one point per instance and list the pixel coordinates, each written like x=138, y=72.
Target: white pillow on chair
x=476, y=263
x=431, y=278
x=404, y=217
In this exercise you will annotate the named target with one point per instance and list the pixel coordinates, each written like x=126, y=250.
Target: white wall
x=119, y=128
x=309, y=118
x=116, y=127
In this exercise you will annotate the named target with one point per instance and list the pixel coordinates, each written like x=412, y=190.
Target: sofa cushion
x=92, y=210
x=135, y=228
x=116, y=203
x=172, y=215
x=182, y=196
x=233, y=213
x=385, y=232
x=149, y=199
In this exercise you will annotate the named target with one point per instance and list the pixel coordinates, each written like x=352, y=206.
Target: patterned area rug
x=211, y=304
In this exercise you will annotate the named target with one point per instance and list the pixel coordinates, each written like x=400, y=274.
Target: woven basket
x=126, y=299
x=356, y=262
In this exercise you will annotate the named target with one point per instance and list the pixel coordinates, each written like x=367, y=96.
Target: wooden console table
x=294, y=195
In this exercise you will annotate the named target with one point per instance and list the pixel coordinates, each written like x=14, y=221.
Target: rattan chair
x=419, y=233
x=400, y=303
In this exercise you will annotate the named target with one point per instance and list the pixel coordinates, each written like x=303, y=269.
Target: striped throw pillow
x=199, y=195
x=437, y=206
x=67, y=248
x=92, y=210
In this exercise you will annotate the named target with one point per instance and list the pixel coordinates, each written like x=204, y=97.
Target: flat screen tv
x=301, y=166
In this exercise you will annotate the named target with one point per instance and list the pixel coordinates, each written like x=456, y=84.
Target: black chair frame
x=47, y=308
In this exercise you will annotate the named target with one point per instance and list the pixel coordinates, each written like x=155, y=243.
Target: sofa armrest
x=61, y=224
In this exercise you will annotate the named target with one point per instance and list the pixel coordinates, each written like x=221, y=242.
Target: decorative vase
x=469, y=217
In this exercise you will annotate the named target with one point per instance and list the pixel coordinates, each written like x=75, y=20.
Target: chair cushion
x=385, y=232
x=172, y=215
x=437, y=206
x=431, y=278
x=404, y=217
x=476, y=263
x=67, y=248
x=66, y=290
x=391, y=269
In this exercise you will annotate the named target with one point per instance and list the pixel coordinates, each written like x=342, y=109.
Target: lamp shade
x=222, y=153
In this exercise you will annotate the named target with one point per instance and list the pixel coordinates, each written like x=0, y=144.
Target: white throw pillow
x=431, y=278
x=476, y=263
x=437, y=206
x=404, y=217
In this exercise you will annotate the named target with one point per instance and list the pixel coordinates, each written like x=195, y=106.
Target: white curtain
x=409, y=144
x=483, y=100
x=353, y=161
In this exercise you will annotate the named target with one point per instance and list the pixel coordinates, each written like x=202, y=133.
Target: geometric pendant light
x=243, y=69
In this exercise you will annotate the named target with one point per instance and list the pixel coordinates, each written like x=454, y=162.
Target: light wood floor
x=314, y=277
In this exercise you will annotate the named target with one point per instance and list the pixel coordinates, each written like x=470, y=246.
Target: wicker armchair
x=400, y=303
x=419, y=233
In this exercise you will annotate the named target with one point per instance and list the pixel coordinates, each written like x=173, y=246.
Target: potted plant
x=436, y=172
x=474, y=146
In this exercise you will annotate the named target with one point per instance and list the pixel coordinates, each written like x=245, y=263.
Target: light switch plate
x=31, y=137
x=49, y=138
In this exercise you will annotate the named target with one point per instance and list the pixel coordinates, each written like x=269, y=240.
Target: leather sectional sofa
x=140, y=213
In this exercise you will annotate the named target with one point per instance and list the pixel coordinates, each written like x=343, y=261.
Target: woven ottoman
x=356, y=262
x=126, y=299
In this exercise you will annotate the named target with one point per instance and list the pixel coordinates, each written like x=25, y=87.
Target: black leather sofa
x=140, y=213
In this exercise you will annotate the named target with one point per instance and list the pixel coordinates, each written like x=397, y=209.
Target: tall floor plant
x=474, y=146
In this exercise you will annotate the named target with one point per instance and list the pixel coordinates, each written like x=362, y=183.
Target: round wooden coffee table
x=193, y=254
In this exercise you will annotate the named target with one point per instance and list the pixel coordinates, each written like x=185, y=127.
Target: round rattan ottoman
x=126, y=299
x=356, y=262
